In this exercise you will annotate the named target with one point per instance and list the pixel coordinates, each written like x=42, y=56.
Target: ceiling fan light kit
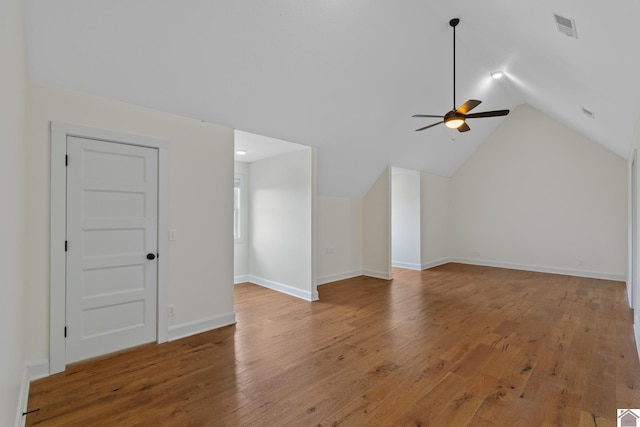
x=457, y=118
x=453, y=120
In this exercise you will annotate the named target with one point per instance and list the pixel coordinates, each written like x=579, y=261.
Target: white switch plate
x=173, y=235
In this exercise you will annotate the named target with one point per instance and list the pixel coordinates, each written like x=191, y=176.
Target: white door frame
x=57, y=278
x=633, y=253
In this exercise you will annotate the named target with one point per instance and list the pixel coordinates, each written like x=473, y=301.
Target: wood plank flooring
x=455, y=345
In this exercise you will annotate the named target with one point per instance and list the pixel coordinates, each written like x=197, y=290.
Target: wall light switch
x=173, y=235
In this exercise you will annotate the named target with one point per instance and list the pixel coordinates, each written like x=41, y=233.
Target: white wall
x=281, y=193
x=539, y=196
x=376, y=228
x=241, y=267
x=405, y=219
x=200, y=199
x=339, y=238
x=13, y=84
x=435, y=213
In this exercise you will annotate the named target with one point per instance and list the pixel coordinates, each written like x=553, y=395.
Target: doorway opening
x=275, y=188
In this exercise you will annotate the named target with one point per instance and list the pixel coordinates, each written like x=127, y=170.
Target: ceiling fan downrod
x=454, y=23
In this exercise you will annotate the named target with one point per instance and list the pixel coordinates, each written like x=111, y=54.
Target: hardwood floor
x=455, y=345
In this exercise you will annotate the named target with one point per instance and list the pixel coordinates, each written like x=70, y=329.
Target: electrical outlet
x=172, y=310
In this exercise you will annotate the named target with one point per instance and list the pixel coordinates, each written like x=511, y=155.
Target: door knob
x=151, y=256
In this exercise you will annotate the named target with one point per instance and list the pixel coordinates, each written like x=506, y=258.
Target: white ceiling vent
x=566, y=26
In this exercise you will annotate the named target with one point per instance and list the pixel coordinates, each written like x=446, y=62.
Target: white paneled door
x=111, y=258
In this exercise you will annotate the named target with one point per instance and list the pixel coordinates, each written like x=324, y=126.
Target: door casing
x=57, y=279
x=634, y=234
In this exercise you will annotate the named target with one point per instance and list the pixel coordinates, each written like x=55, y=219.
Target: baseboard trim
x=636, y=332
x=241, y=279
x=541, y=269
x=378, y=274
x=336, y=277
x=436, y=263
x=23, y=398
x=31, y=371
x=38, y=369
x=192, y=328
x=285, y=289
x=406, y=265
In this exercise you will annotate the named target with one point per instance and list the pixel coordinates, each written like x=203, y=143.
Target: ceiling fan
x=456, y=119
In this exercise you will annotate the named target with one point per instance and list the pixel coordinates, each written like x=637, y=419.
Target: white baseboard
x=241, y=279
x=636, y=332
x=285, y=289
x=38, y=369
x=407, y=265
x=340, y=276
x=541, y=269
x=31, y=371
x=436, y=263
x=23, y=399
x=192, y=328
x=378, y=274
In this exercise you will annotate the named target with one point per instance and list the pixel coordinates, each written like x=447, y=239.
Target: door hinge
x=66, y=160
x=65, y=331
x=66, y=245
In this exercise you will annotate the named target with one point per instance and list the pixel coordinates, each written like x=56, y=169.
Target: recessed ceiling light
x=241, y=152
x=497, y=75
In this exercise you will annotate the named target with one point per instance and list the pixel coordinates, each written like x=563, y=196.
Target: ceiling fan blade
x=464, y=128
x=426, y=115
x=468, y=106
x=495, y=113
x=430, y=126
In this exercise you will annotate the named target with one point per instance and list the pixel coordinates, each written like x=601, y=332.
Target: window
x=237, y=205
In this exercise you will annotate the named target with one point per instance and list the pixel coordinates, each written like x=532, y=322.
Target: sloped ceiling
x=346, y=76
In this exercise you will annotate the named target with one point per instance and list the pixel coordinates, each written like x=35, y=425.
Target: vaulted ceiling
x=346, y=76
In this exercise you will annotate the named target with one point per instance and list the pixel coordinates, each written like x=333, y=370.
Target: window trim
x=242, y=208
